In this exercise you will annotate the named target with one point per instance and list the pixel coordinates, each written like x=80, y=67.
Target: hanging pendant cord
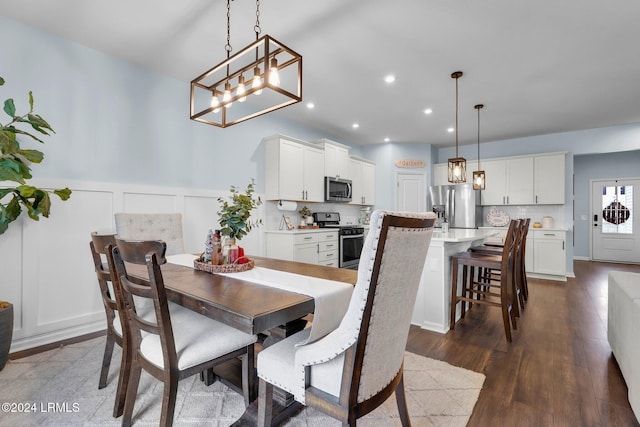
x=478, y=107
x=456, y=116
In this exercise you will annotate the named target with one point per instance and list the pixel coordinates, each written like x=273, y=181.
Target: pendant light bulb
x=241, y=90
x=257, y=81
x=274, y=77
x=227, y=95
x=215, y=103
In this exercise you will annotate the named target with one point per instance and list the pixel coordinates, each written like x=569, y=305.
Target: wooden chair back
x=98, y=245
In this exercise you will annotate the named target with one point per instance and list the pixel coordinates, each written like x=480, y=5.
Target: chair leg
x=463, y=303
x=123, y=379
x=208, y=377
x=249, y=386
x=169, y=400
x=401, y=401
x=132, y=391
x=506, y=319
x=106, y=360
x=265, y=403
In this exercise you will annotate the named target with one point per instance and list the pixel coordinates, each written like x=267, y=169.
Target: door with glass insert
x=615, y=227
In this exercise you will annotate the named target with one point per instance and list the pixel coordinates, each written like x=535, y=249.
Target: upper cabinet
x=521, y=180
x=363, y=176
x=336, y=159
x=549, y=179
x=294, y=170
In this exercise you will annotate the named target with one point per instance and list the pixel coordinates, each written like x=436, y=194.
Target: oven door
x=350, y=250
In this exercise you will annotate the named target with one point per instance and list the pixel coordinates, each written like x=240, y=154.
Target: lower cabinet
x=313, y=247
x=549, y=250
x=545, y=252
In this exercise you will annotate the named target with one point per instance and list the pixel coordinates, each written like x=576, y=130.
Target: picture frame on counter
x=286, y=221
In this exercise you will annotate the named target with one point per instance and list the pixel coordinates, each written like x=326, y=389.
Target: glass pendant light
x=274, y=77
x=241, y=90
x=478, y=175
x=227, y=95
x=257, y=81
x=215, y=103
x=457, y=165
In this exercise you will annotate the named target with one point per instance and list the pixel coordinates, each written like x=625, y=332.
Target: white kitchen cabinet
x=294, y=170
x=548, y=179
x=313, y=247
x=336, y=159
x=495, y=184
x=508, y=181
x=545, y=251
x=363, y=175
x=549, y=252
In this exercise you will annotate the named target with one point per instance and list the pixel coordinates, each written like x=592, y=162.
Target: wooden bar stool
x=504, y=299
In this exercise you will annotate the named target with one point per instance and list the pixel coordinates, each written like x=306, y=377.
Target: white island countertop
x=457, y=235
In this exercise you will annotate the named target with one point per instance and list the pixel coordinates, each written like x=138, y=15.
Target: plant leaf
x=10, y=108
x=30, y=101
x=1, y=81
x=63, y=193
x=34, y=156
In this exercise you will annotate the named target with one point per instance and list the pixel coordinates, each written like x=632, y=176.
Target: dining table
x=270, y=312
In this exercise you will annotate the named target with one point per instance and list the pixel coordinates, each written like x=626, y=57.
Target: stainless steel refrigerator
x=458, y=204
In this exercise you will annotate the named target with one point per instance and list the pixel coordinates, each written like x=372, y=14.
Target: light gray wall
x=597, y=166
x=116, y=122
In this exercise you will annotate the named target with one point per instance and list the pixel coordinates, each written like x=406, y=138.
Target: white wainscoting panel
x=47, y=270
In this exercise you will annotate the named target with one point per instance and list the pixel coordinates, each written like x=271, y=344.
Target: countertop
x=462, y=235
x=302, y=230
x=530, y=228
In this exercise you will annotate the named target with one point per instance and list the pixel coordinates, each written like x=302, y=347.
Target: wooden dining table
x=252, y=308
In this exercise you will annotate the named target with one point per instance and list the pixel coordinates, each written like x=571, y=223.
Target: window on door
x=617, y=209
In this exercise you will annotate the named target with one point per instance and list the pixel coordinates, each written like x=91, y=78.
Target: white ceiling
x=538, y=66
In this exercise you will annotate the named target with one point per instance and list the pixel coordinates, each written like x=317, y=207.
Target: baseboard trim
x=37, y=344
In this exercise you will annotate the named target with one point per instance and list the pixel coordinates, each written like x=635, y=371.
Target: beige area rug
x=60, y=388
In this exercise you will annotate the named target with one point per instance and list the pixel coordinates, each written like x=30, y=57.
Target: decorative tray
x=308, y=227
x=199, y=264
x=497, y=218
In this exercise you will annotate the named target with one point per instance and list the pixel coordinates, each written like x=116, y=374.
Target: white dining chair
x=152, y=226
x=355, y=368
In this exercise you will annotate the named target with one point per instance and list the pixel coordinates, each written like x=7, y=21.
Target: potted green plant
x=15, y=167
x=305, y=212
x=234, y=214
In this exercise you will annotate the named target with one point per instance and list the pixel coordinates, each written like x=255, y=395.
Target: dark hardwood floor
x=559, y=369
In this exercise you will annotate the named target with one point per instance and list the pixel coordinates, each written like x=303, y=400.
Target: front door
x=615, y=223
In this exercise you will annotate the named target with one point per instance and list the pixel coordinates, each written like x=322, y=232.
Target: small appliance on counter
x=547, y=222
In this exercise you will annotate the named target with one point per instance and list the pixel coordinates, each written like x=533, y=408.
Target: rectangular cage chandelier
x=263, y=77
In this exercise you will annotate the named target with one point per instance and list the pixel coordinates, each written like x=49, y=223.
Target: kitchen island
x=432, y=307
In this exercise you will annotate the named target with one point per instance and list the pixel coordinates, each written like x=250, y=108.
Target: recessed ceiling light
x=387, y=140
x=390, y=78
x=428, y=111
x=450, y=130
x=311, y=105
x=355, y=126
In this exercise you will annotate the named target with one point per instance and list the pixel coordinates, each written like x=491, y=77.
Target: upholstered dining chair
x=169, y=347
x=482, y=290
x=354, y=369
x=99, y=244
x=152, y=226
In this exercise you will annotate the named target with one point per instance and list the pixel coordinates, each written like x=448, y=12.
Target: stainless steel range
x=351, y=238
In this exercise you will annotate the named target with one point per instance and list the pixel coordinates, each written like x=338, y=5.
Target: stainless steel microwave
x=337, y=189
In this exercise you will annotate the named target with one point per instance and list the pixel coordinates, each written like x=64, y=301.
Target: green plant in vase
x=234, y=214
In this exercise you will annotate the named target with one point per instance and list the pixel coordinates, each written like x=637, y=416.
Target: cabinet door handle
x=536, y=199
x=308, y=238
x=329, y=246
x=503, y=200
x=563, y=246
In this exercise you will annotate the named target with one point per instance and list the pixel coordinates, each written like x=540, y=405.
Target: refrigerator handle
x=452, y=206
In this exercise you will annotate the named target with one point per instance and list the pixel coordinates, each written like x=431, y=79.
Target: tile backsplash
x=535, y=212
x=349, y=214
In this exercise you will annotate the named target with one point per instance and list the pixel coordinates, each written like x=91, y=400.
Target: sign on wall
x=410, y=163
